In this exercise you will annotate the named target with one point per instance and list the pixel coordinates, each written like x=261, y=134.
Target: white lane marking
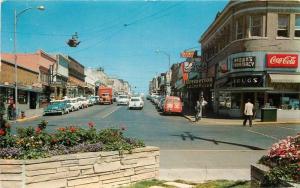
x=286, y=128
x=108, y=114
x=263, y=134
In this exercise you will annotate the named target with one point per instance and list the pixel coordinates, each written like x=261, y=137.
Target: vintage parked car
x=57, y=107
x=160, y=106
x=123, y=100
x=75, y=104
x=172, y=104
x=135, y=103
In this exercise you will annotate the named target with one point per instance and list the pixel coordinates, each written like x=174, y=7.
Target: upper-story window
x=283, y=25
x=255, y=25
x=297, y=26
x=239, y=25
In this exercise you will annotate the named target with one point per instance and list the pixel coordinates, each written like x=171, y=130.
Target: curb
x=240, y=123
x=188, y=118
x=29, y=118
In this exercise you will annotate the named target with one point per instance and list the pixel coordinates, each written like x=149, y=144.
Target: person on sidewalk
x=248, y=113
x=199, y=108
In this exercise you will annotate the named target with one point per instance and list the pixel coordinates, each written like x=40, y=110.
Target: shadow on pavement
x=188, y=135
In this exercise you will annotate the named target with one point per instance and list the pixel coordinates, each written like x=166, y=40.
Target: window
x=283, y=25
x=255, y=25
x=239, y=28
x=297, y=26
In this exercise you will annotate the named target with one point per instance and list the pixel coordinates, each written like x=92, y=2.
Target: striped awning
x=284, y=78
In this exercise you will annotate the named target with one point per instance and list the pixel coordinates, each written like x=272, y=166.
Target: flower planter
x=86, y=170
x=258, y=172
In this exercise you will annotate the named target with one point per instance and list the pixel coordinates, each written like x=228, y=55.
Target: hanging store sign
x=247, y=81
x=199, y=83
x=188, y=54
x=244, y=62
x=282, y=60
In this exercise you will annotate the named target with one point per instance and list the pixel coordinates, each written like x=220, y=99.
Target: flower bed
x=34, y=143
x=282, y=163
x=74, y=157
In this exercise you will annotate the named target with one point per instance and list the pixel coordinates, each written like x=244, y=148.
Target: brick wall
x=86, y=170
x=25, y=77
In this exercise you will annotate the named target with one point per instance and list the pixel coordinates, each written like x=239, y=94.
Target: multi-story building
x=27, y=87
x=40, y=62
x=252, y=50
x=60, y=74
x=76, y=80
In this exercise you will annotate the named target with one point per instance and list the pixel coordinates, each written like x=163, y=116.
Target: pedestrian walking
x=248, y=113
x=199, y=108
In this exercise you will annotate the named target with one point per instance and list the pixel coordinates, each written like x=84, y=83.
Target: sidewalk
x=31, y=114
x=226, y=121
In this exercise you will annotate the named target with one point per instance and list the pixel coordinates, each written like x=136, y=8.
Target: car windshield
x=123, y=97
x=135, y=99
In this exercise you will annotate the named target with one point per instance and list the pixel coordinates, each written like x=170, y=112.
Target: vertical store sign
x=282, y=60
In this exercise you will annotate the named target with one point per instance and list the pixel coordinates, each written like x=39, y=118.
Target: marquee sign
x=247, y=81
x=199, y=83
x=188, y=54
x=282, y=60
x=244, y=62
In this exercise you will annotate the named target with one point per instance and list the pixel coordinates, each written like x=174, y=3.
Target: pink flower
x=38, y=130
x=91, y=124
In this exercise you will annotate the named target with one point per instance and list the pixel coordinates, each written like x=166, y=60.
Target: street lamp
x=16, y=16
x=165, y=53
x=169, y=62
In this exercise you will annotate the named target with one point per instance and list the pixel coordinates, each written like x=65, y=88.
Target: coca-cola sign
x=282, y=60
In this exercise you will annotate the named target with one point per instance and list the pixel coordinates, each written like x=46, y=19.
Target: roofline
x=11, y=63
x=225, y=10
x=71, y=58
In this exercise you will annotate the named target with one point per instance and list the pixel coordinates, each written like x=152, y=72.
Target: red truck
x=105, y=95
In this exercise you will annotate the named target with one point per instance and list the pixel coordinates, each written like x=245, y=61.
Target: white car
x=123, y=100
x=135, y=103
x=84, y=102
x=75, y=104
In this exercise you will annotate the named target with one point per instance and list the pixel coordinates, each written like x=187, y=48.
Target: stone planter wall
x=82, y=170
x=257, y=175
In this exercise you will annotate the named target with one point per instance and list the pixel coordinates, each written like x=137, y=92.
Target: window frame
x=287, y=29
x=297, y=29
x=251, y=26
x=237, y=27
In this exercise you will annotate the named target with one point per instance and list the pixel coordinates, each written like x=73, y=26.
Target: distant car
x=135, y=103
x=123, y=100
x=94, y=99
x=172, y=104
x=160, y=106
x=148, y=97
x=84, y=102
x=57, y=107
x=75, y=104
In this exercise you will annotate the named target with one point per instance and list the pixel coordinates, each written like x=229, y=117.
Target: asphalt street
x=183, y=144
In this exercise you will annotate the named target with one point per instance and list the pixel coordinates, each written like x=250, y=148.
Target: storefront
x=28, y=97
x=267, y=79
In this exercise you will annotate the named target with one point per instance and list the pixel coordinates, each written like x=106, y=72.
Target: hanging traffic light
x=73, y=42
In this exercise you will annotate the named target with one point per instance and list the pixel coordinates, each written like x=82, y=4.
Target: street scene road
x=185, y=146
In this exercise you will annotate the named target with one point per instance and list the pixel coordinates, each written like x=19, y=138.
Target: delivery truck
x=105, y=95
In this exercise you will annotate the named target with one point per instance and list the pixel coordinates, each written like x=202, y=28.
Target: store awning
x=284, y=78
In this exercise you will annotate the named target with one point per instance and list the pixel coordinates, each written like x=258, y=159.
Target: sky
x=120, y=36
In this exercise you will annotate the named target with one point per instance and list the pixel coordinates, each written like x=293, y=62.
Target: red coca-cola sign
x=282, y=60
